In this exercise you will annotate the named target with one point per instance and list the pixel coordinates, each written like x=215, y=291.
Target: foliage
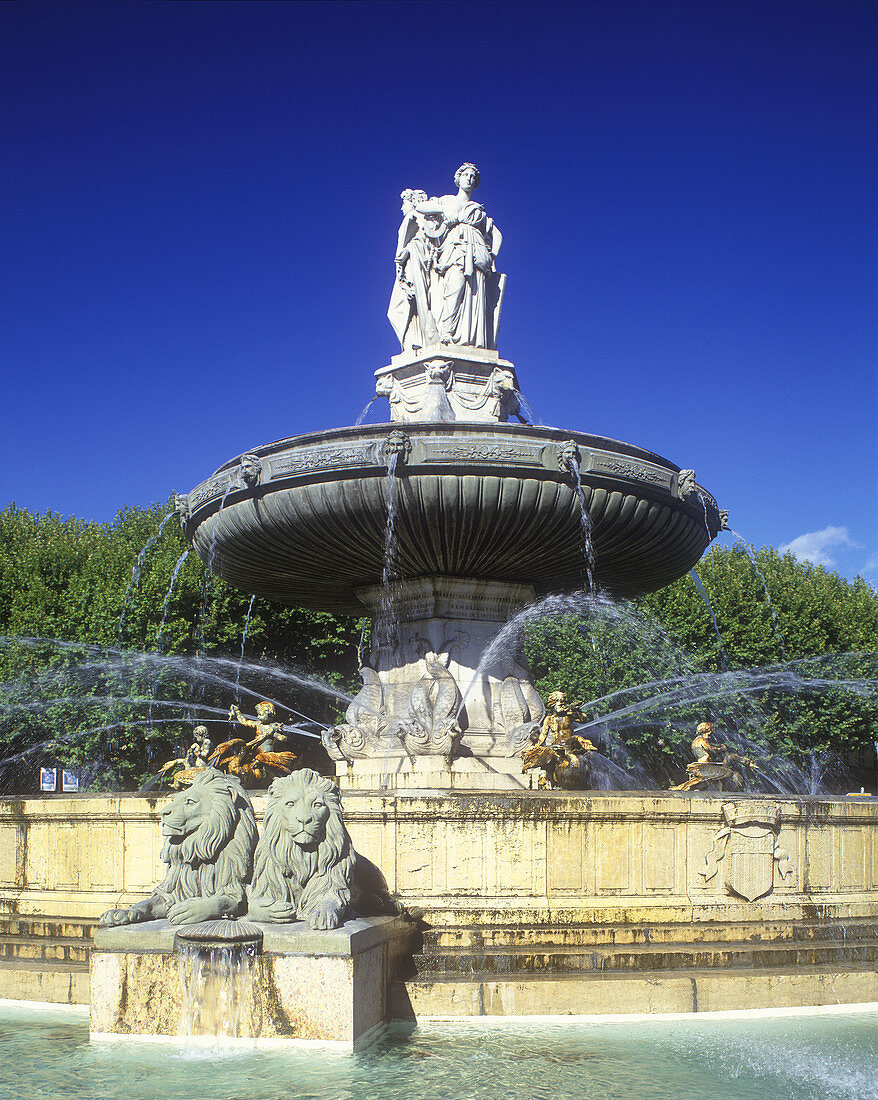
x=798, y=626
x=104, y=592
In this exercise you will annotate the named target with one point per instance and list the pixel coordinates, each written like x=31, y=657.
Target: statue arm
x=494, y=237
x=242, y=719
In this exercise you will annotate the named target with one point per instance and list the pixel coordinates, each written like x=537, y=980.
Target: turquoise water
x=46, y=1055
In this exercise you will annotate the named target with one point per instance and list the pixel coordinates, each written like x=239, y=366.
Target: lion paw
x=328, y=914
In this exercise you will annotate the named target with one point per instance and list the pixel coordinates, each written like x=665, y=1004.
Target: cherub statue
x=715, y=766
x=184, y=769
x=199, y=751
x=258, y=760
x=561, y=755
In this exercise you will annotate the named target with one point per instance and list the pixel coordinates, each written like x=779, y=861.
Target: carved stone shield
x=748, y=849
x=750, y=861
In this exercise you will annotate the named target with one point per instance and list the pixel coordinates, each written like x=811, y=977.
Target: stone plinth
x=447, y=382
x=306, y=985
x=428, y=636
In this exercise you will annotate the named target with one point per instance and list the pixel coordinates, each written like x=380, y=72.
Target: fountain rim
x=546, y=432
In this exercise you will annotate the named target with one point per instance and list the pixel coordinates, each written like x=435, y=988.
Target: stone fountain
x=441, y=525
x=446, y=522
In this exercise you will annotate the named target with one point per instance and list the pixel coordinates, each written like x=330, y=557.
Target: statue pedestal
x=428, y=716
x=447, y=382
x=307, y=986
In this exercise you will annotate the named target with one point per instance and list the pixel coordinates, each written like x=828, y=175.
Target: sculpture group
x=302, y=868
x=447, y=290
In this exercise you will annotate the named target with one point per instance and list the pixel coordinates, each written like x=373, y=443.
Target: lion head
x=210, y=836
x=304, y=862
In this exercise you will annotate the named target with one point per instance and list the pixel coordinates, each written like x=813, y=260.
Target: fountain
x=445, y=524
x=450, y=527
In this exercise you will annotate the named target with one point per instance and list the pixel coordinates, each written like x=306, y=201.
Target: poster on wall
x=69, y=781
x=48, y=779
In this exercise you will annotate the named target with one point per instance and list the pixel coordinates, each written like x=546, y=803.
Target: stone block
x=308, y=985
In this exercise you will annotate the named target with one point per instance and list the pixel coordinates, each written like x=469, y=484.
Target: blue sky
x=200, y=213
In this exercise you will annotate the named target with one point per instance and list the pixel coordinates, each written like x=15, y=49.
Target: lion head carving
x=304, y=862
x=210, y=837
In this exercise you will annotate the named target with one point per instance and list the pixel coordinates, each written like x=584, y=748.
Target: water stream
x=705, y=599
x=584, y=521
x=750, y=552
x=135, y=575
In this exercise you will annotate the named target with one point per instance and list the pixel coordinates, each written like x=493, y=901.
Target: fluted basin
x=488, y=501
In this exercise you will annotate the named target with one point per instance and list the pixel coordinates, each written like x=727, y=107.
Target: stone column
x=428, y=715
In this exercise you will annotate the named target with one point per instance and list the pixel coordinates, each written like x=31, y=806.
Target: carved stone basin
x=306, y=524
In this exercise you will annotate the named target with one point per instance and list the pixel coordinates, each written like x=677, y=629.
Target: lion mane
x=305, y=876
x=217, y=857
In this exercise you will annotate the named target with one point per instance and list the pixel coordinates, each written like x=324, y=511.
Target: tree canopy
x=116, y=640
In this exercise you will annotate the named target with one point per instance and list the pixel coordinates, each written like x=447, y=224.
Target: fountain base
x=305, y=985
x=429, y=714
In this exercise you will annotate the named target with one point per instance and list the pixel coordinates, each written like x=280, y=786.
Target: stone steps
x=47, y=927
x=465, y=938
x=647, y=991
x=55, y=948
x=45, y=958
x=681, y=957
x=52, y=981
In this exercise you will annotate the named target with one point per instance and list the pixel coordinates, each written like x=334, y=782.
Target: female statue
x=409, y=311
x=446, y=288
x=469, y=285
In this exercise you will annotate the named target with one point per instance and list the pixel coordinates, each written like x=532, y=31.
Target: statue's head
x=472, y=173
x=556, y=698
x=704, y=729
x=265, y=709
x=199, y=733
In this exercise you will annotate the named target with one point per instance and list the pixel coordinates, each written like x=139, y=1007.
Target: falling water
x=216, y=985
x=135, y=575
x=386, y=625
x=750, y=552
x=365, y=411
x=706, y=600
x=167, y=602
x=584, y=520
x=526, y=409
x=207, y=585
x=243, y=644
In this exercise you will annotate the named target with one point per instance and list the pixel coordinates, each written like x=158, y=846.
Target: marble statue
x=210, y=837
x=447, y=289
x=410, y=310
x=305, y=866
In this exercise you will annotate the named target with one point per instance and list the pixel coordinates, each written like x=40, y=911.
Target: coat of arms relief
x=748, y=847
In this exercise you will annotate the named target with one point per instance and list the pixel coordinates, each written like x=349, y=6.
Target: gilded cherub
x=561, y=755
x=715, y=766
x=258, y=760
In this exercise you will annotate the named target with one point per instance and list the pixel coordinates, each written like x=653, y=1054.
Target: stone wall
x=479, y=858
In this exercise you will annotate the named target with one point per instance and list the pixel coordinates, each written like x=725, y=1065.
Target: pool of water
x=46, y=1054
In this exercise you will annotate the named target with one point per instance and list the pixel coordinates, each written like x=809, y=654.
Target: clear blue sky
x=200, y=204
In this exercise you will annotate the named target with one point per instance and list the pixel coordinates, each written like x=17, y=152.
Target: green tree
x=94, y=631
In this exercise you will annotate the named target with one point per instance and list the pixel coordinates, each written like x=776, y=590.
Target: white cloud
x=870, y=570
x=818, y=547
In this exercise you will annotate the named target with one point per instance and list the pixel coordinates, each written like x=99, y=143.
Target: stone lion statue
x=305, y=866
x=210, y=837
